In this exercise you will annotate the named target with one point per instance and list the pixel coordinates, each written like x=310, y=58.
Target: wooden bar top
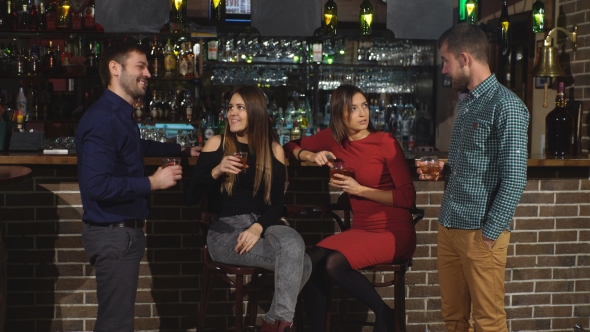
x=38, y=158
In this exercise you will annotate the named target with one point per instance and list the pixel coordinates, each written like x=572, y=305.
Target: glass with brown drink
x=429, y=166
x=338, y=168
x=170, y=162
x=243, y=159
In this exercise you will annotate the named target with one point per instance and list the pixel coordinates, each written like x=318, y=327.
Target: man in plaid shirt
x=485, y=174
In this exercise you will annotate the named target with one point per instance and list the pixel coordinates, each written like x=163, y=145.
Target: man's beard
x=460, y=82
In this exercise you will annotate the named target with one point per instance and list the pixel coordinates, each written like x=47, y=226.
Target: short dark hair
x=340, y=103
x=119, y=53
x=468, y=38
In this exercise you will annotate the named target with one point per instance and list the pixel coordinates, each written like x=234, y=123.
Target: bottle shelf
x=67, y=34
x=313, y=65
x=33, y=77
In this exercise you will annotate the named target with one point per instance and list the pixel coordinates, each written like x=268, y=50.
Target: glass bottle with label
x=187, y=106
x=179, y=8
x=504, y=26
x=170, y=63
x=183, y=66
x=156, y=59
x=190, y=59
x=34, y=18
x=21, y=100
x=91, y=67
x=88, y=18
x=538, y=16
x=366, y=17
x=330, y=18
x=295, y=132
x=559, y=128
x=14, y=19
x=213, y=50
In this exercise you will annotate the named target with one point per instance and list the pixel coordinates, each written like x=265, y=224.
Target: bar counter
x=51, y=285
x=38, y=158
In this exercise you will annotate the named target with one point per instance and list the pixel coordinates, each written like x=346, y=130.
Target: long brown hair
x=340, y=103
x=260, y=138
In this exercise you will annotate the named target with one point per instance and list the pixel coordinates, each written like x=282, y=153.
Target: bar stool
x=398, y=268
x=211, y=269
x=9, y=175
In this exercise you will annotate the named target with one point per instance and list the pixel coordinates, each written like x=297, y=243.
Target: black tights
x=333, y=264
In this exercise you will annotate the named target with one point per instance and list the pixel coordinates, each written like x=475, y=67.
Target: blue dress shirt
x=113, y=184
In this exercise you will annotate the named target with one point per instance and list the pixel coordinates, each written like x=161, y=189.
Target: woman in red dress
x=381, y=193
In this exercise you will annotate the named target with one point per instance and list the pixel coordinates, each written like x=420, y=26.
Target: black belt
x=130, y=223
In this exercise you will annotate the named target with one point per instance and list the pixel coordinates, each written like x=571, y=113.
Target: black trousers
x=115, y=254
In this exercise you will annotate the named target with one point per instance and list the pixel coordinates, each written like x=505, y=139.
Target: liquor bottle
x=23, y=13
x=170, y=62
x=91, y=67
x=221, y=123
x=34, y=18
x=187, y=106
x=178, y=15
x=42, y=18
x=538, y=16
x=471, y=10
x=330, y=18
x=34, y=64
x=138, y=109
x=327, y=112
x=295, y=132
x=154, y=106
x=14, y=19
x=51, y=15
x=366, y=17
x=504, y=28
x=156, y=60
x=213, y=50
x=209, y=128
x=63, y=16
x=46, y=104
x=285, y=134
x=21, y=62
x=50, y=61
x=217, y=10
x=76, y=18
x=559, y=128
x=21, y=100
x=89, y=21
x=182, y=61
x=190, y=58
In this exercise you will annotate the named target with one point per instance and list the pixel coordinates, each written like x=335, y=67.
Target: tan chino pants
x=471, y=274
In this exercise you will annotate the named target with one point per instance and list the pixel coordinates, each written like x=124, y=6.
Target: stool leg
x=206, y=286
x=330, y=287
x=253, y=299
x=239, y=303
x=400, y=300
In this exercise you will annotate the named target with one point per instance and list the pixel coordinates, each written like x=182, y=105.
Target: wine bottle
x=366, y=17
x=330, y=18
x=504, y=26
x=471, y=11
x=170, y=62
x=217, y=10
x=538, y=16
x=559, y=128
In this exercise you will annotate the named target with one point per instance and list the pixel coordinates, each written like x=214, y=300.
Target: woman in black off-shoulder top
x=250, y=203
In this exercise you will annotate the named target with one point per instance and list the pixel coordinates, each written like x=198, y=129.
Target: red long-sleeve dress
x=379, y=233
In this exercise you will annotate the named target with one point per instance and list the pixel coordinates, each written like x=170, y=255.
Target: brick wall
x=51, y=286
x=578, y=12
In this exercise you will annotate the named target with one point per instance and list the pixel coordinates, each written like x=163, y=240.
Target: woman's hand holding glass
x=229, y=164
x=346, y=183
x=429, y=168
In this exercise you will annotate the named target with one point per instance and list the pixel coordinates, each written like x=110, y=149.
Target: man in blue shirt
x=486, y=174
x=113, y=185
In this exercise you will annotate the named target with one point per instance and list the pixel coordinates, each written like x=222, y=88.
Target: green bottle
x=330, y=18
x=366, y=17
x=217, y=10
x=538, y=16
x=471, y=11
x=504, y=26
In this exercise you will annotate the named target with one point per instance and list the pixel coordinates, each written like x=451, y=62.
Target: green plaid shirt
x=486, y=171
